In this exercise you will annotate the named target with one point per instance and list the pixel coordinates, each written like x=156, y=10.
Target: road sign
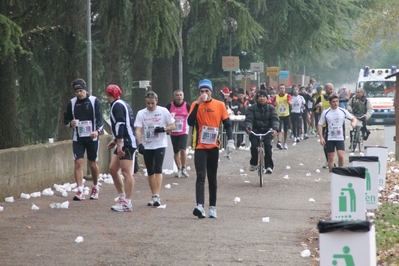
x=272, y=71
x=230, y=62
x=257, y=67
x=284, y=74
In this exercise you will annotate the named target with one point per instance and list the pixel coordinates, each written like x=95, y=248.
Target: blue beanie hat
x=205, y=83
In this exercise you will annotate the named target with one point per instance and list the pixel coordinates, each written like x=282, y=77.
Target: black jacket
x=261, y=118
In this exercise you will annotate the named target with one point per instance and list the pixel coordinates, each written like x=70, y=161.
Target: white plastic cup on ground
x=79, y=239
x=1, y=208
x=9, y=199
x=34, y=207
x=167, y=186
x=25, y=196
x=265, y=219
x=51, y=140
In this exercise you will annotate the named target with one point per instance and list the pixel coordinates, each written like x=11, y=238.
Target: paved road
x=173, y=236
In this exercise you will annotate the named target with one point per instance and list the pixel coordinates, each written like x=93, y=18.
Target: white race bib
x=209, y=135
x=149, y=133
x=178, y=124
x=84, y=128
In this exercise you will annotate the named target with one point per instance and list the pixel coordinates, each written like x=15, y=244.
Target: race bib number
x=84, y=128
x=149, y=133
x=209, y=135
x=335, y=133
x=282, y=108
x=178, y=124
x=296, y=104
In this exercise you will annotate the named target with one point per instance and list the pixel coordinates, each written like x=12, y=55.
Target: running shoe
x=122, y=206
x=325, y=165
x=199, y=211
x=269, y=170
x=94, y=193
x=178, y=173
x=157, y=201
x=305, y=136
x=79, y=196
x=279, y=145
x=212, y=212
x=253, y=167
x=298, y=140
x=184, y=172
x=151, y=202
x=285, y=146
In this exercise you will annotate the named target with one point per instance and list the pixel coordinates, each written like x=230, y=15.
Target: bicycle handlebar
x=262, y=134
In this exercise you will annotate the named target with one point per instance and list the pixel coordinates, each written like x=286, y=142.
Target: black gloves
x=159, y=130
x=141, y=148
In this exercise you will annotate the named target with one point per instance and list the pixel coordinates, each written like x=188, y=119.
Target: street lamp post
x=230, y=24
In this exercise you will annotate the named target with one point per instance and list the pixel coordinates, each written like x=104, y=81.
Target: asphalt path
x=172, y=235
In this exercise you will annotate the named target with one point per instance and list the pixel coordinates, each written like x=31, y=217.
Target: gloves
x=141, y=148
x=230, y=146
x=159, y=129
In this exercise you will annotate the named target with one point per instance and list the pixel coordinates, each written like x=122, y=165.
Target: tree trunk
x=141, y=70
x=75, y=67
x=162, y=82
x=10, y=129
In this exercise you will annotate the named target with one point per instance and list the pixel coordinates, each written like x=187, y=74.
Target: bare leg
x=330, y=160
x=183, y=157
x=341, y=158
x=178, y=161
x=79, y=171
x=113, y=170
x=127, y=170
x=95, y=171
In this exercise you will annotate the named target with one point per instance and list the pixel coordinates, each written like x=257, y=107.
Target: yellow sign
x=272, y=71
x=230, y=62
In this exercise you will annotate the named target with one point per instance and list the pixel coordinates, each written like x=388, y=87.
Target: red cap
x=114, y=90
x=226, y=91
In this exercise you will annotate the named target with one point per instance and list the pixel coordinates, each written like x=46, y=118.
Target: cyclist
x=259, y=118
x=360, y=106
x=332, y=135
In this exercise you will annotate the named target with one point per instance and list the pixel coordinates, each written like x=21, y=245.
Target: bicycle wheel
x=353, y=143
x=260, y=168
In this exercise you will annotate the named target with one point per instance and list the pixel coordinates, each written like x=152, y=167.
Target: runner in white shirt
x=296, y=113
x=334, y=138
x=151, y=125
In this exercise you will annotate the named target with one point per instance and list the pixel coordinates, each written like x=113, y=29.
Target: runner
x=205, y=117
x=282, y=102
x=179, y=136
x=151, y=125
x=332, y=135
x=298, y=103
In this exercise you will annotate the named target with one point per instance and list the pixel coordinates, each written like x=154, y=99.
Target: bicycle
x=261, y=153
x=356, y=136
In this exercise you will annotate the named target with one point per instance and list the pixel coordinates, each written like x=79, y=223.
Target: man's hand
x=230, y=146
x=159, y=130
x=111, y=144
x=141, y=148
x=248, y=130
x=322, y=142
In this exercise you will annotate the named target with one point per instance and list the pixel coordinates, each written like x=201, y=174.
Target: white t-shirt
x=335, y=119
x=148, y=121
x=297, y=103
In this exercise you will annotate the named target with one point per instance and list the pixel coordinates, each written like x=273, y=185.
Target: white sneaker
x=269, y=170
x=178, y=173
x=157, y=201
x=199, y=211
x=285, y=146
x=253, y=167
x=184, y=172
x=122, y=206
x=212, y=212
